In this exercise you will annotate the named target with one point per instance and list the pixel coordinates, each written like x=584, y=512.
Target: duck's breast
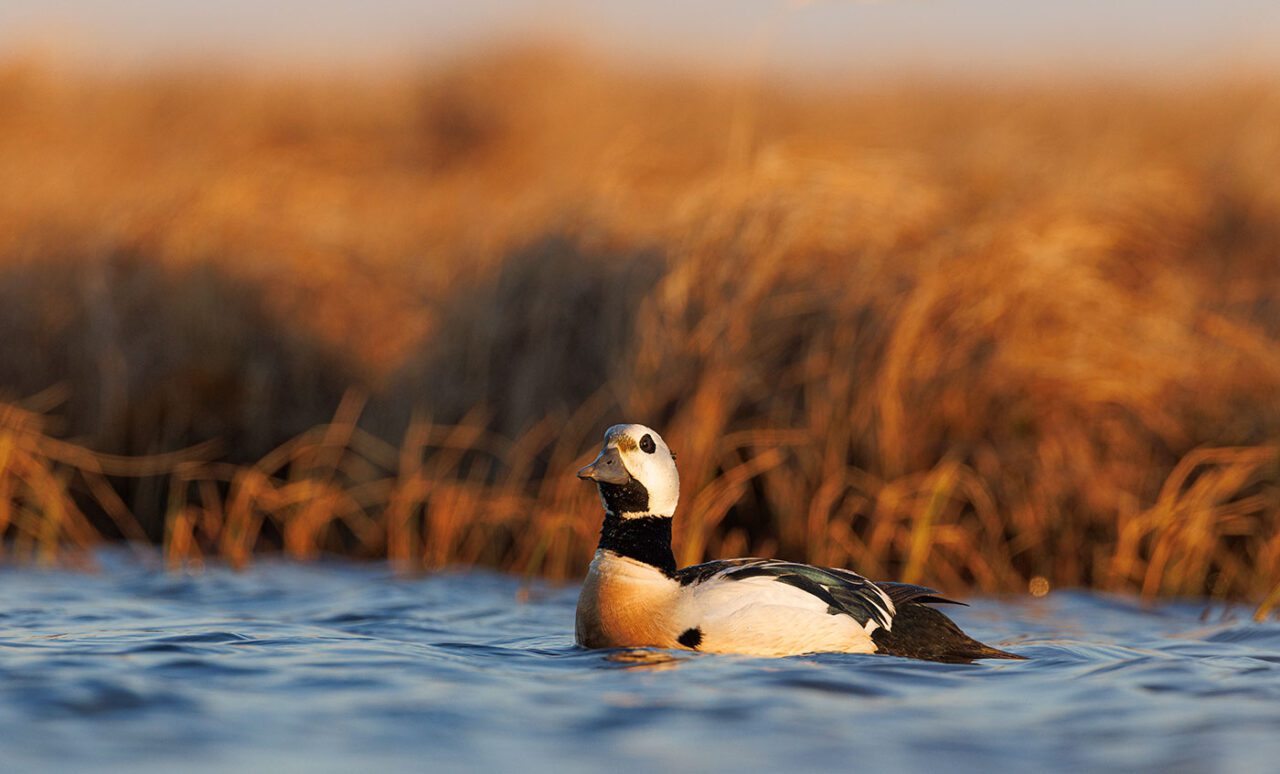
x=625, y=604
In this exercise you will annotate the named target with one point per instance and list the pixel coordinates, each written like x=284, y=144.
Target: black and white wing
x=843, y=591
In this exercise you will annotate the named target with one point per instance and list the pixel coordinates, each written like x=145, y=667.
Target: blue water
x=341, y=667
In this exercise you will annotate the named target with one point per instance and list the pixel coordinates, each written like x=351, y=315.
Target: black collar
x=645, y=538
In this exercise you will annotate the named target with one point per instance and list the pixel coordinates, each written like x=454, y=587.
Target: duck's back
x=773, y=607
x=762, y=617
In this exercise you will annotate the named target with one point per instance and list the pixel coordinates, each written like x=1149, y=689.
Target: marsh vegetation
x=958, y=335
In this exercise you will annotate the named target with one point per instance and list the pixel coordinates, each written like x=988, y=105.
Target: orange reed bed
x=459, y=495
x=969, y=336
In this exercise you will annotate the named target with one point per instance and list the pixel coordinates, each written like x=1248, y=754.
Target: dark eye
x=647, y=445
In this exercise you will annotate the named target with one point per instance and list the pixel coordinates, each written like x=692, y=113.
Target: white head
x=635, y=472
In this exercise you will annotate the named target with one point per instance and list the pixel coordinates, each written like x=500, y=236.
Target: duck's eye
x=647, y=445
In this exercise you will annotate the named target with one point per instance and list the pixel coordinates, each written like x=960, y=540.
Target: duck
x=635, y=596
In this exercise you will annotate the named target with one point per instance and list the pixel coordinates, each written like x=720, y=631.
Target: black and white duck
x=635, y=596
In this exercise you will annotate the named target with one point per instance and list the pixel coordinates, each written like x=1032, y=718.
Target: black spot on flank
x=691, y=638
x=647, y=445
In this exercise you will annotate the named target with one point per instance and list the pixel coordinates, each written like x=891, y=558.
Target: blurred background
x=983, y=295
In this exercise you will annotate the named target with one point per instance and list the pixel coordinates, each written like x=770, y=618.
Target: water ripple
x=332, y=667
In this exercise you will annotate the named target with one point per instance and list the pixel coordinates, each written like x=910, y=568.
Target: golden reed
x=970, y=337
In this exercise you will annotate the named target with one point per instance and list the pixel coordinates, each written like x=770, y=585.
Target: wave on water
x=333, y=666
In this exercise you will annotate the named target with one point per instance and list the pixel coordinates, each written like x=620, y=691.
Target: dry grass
x=960, y=336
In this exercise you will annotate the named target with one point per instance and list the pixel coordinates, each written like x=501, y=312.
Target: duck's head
x=635, y=472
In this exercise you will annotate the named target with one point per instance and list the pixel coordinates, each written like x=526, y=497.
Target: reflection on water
x=337, y=666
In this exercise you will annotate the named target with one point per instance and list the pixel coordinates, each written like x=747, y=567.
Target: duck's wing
x=700, y=573
x=902, y=593
x=843, y=591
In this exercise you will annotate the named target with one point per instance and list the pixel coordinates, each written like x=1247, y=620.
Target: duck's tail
x=920, y=631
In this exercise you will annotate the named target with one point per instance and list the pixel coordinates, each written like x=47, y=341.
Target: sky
x=982, y=36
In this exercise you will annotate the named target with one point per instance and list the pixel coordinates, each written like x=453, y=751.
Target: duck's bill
x=607, y=469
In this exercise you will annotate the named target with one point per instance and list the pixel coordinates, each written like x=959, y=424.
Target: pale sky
x=948, y=36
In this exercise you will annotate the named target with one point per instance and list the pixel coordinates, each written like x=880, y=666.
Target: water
x=341, y=667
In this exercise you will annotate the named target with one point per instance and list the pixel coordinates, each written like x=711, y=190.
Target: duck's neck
x=643, y=537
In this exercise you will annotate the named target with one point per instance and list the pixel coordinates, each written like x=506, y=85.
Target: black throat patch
x=643, y=538
x=630, y=497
